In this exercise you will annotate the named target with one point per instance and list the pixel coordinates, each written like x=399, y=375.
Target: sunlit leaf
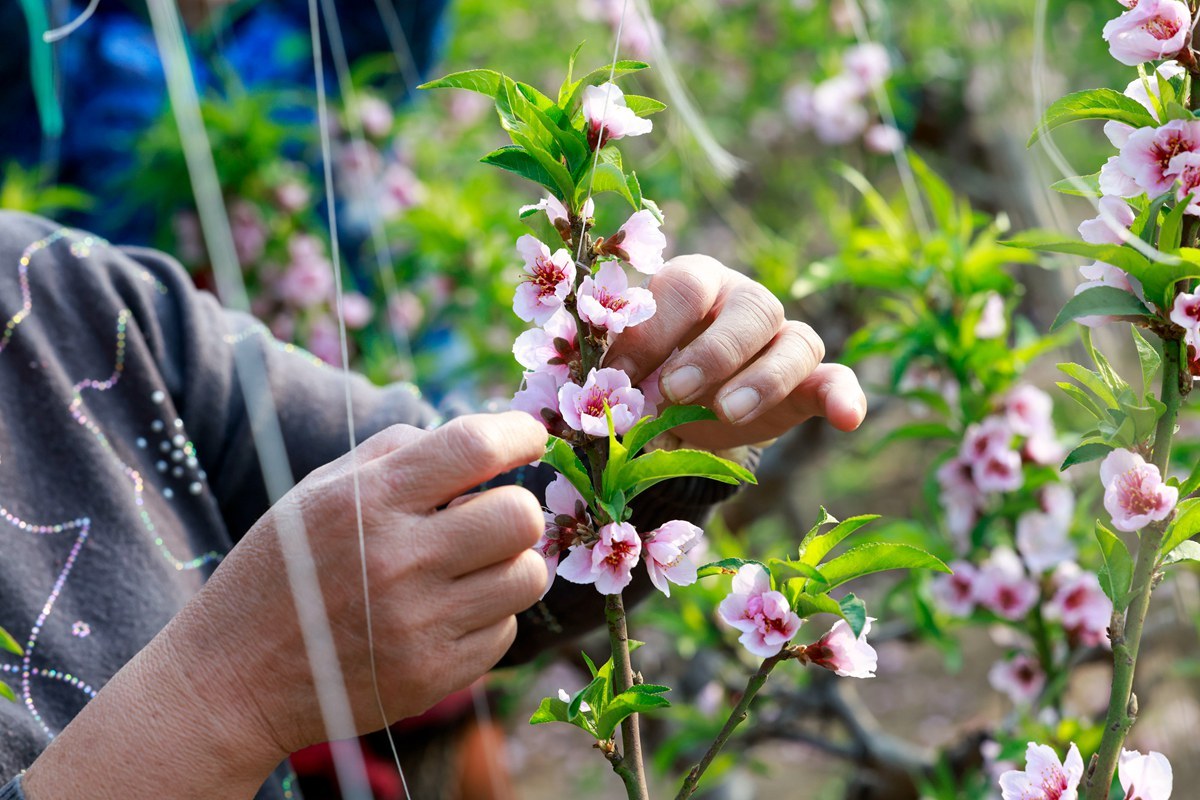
x=1093, y=104
x=1117, y=573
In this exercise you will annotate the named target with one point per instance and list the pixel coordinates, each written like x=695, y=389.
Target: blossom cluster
x=990, y=462
x=835, y=109
x=1045, y=777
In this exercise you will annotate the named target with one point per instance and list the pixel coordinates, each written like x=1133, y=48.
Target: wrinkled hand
x=738, y=355
x=225, y=692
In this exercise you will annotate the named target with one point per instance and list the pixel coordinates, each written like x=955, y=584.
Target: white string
x=900, y=154
x=55, y=34
x=346, y=87
x=300, y=567
x=394, y=29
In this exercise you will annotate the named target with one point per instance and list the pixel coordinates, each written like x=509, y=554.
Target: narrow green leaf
x=561, y=456
x=564, y=91
x=579, y=698
x=551, y=709
x=624, y=705
x=635, y=190
x=806, y=605
x=726, y=566
x=784, y=571
x=606, y=178
x=854, y=611
x=6, y=692
x=1117, y=573
x=1185, y=525
x=647, y=688
x=1092, y=380
x=1111, y=377
x=877, y=557
x=517, y=160
x=1093, y=104
x=484, y=81
x=601, y=75
x=1149, y=358
x=646, y=470
x=1085, y=453
x=1184, y=551
x=1084, y=399
x=647, y=428
x=1191, y=483
x=7, y=642
x=1172, y=227
x=916, y=430
x=818, y=547
x=1080, y=186
x=643, y=106
x=1120, y=256
x=1100, y=301
x=590, y=664
x=823, y=518
x=1145, y=225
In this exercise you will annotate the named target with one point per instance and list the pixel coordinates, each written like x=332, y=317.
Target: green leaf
x=1083, y=398
x=1184, y=551
x=1121, y=256
x=1080, y=186
x=1149, y=358
x=854, y=611
x=1092, y=380
x=806, y=605
x=517, y=160
x=783, y=571
x=1117, y=573
x=590, y=664
x=1100, y=301
x=726, y=566
x=484, y=81
x=1191, y=483
x=1172, y=227
x=644, y=471
x=606, y=178
x=1093, y=104
x=601, y=75
x=643, y=106
x=877, y=557
x=1085, y=453
x=1185, y=525
x=580, y=697
x=631, y=701
x=635, y=190
x=6, y=692
x=552, y=709
x=823, y=518
x=563, y=186
x=565, y=90
x=647, y=428
x=916, y=430
x=561, y=456
x=7, y=642
x=1145, y=225
x=816, y=548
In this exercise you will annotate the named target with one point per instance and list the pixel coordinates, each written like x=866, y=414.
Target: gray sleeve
x=12, y=790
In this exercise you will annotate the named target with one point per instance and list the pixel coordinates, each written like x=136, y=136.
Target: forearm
x=163, y=721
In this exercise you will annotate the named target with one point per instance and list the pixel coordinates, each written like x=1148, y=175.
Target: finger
x=489, y=528
x=831, y=391
x=748, y=318
x=789, y=359
x=458, y=456
x=487, y=645
x=685, y=291
x=487, y=596
x=388, y=440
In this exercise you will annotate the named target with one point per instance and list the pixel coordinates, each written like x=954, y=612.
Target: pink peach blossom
x=551, y=348
x=309, y=278
x=1134, y=492
x=405, y=312
x=399, y=190
x=798, y=105
x=609, y=302
x=868, y=63
x=1043, y=541
x=1044, y=777
x=960, y=497
x=1020, y=677
x=566, y=513
x=375, y=116
x=838, y=115
x=992, y=321
x=249, y=231
x=292, y=196
x=1111, y=225
x=1151, y=30
x=1027, y=410
x=547, y=281
x=992, y=435
x=955, y=593
x=608, y=563
x=556, y=212
x=324, y=341
x=847, y=655
x=582, y=407
x=1115, y=180
x=1141, y=91
x=1186, y=311
x=539, y=399
x=1147, y=156
x=608, y=117
x=1003, y=587
x=639, y=242
x=1080, y=605
x=666, y=549
x=763, y=616
x=356, y=310
x=883, y=139
x=1145, y=777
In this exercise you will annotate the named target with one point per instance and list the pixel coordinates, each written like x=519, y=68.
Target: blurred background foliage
x=892, y=259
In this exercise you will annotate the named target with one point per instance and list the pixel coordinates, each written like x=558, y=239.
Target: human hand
x=225, y=692
x=761, y=373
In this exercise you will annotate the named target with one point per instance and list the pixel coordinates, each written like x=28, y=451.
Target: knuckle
x=471, y=440
x=765, y=305
x=683, y=286
x=808, y=338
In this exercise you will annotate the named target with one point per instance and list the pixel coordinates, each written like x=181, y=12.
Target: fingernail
x=683, y=383
x=625, y=364
x=739, y=403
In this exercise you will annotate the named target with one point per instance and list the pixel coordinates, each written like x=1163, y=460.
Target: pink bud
x=843, y=653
